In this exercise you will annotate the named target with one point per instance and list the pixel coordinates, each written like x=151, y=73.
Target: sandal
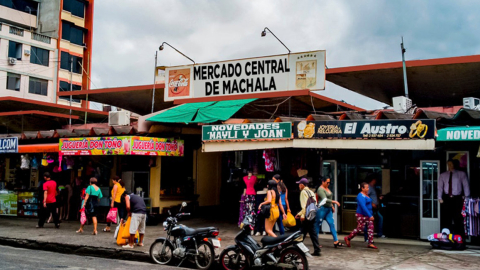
x=347, y=241
x=338, y=244
x=140, y=245
x=372, y=246
x=105, y=230
x=79, y=231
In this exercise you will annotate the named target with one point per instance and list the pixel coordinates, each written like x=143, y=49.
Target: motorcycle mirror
x=169, y=213
x=184, y=204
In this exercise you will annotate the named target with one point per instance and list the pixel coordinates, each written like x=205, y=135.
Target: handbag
x=265, y=210
x=83, y=217
x=89, y=207
x=112, y=215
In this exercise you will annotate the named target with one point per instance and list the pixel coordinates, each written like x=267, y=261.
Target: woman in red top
x=249, y=203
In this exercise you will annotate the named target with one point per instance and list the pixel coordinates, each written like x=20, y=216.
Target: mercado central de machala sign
x=287, y=72
x=251, y=131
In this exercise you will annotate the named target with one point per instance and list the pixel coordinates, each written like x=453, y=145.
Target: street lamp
x=264, y=33
x=162, y=47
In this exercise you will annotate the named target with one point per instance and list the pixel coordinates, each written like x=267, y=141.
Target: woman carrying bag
x=93, y=194
x=117, y=191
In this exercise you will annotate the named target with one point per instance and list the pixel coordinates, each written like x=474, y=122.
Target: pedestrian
x=282, y=190
x=249, y=196
x=308, y=226
x=41, y=210
x=49, y=201
x=93, y=194
x=117, y=192
x=325, y=212
x=364, y=216
x=272, y=198
x=68, y=193
x=372, y=193
x=137, y=211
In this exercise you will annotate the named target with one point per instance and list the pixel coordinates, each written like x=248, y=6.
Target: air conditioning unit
x=12, y=61
x=471, y=103
x=26, y=52
x=121, y=118
x=402, y=104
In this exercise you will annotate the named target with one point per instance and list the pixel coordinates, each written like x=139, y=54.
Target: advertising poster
x=365, y=129
x=122, y=145
x=286, y=72
x=8, y=204
x=9, y=145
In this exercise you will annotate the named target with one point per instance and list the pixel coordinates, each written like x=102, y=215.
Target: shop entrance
x=429, y=206
x=329, y=170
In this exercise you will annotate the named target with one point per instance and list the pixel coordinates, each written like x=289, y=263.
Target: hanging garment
x=269, y=156
x=34, y=163
x=25, y=164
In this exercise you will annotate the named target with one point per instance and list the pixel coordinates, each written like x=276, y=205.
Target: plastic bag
x=115, y=235
x=124, y=233
x=83, y=217
x=112, y=215
x=290, y=221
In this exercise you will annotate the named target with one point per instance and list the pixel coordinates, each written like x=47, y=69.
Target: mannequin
x=249, y=195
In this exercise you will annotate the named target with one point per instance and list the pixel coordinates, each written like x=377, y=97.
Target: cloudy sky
x=127, y=33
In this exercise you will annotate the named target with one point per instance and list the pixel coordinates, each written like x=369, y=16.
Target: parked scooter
x=184, y=243
x=286, y=251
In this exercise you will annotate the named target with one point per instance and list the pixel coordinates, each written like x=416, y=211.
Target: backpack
x=311, y=208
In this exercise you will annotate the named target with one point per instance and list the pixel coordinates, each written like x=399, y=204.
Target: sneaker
x=127, y=246
x=264, y=233
x=383, y=236
x=258, y=234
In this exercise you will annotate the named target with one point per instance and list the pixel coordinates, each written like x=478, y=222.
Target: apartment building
x=45, y=43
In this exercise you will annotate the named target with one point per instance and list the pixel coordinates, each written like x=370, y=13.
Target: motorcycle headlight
x=165, y=225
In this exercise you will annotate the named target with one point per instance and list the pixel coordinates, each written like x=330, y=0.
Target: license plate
x=302, y=247
x=216, y=243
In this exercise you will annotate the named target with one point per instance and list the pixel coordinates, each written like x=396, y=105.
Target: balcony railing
x=16, y=31
x=41, y=38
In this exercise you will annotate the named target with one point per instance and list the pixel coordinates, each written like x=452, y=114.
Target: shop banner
x=251, y=131
x=286, y=72
x=8, y=204
x=365, y=129
x=457, y=134
x=121, y=145
x=9, y=145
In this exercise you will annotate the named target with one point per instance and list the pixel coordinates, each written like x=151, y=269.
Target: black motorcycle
x=184, y=243
x=286, y=251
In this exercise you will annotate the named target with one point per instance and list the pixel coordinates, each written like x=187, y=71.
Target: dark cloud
x=127, y=33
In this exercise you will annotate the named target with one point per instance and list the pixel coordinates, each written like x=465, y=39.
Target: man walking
x=452, y=184
x=308, y=226
x=372, y=193
x=137, y=211
x=41, y=209
x=49, y=201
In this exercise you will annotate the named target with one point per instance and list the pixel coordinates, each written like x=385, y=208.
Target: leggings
x=361, y=222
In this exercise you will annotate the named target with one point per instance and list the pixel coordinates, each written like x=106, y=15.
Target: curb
x=107, y=253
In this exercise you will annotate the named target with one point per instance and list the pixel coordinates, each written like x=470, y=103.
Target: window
x=27, y=6
x=15, y=50
x=65, y=62
x=13, y=81
x=72, y=33
x=65, y=86
x=38, y=87
x=76, y=7
x=39, y=56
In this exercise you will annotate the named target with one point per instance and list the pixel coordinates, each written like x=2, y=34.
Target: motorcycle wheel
x=166, y=257
x=206, y=255
x=295, y=257
x=233, y=259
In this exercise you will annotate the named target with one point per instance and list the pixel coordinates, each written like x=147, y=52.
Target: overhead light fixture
x=162, y=47
x=264, y=33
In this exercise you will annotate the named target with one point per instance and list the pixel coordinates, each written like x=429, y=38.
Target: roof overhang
x=433, y=82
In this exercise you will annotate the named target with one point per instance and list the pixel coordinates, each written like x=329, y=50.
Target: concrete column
x=155, y=181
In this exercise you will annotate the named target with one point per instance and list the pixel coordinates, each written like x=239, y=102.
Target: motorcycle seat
x=191, y=231
x=270, y=240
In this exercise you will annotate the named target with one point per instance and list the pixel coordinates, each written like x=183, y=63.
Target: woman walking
x=249, y=196
x=325, y=212
x=364, y=216
x=272, y=199
x=282, y=189
x=90, y=204
x=117, y=191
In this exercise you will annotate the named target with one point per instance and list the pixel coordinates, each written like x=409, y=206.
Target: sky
x=127, y=34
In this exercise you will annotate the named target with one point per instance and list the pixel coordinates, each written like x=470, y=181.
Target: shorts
x=138, y=222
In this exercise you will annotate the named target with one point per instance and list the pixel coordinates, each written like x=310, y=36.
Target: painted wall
x=208, y=175
x=49, y=18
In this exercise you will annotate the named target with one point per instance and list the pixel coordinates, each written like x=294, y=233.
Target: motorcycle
x=184, y=243
x=286, y=251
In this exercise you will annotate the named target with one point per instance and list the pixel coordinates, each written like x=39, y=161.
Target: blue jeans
x=326, y=213
x=280, y=224
x=379, y=220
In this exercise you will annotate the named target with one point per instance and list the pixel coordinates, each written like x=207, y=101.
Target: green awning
x=454, y=134
x=201, y=112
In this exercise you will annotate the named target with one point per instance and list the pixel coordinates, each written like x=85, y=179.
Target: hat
x=277, y=176
x=303, y=181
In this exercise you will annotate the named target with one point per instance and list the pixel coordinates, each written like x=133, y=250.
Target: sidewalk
x=392, y=253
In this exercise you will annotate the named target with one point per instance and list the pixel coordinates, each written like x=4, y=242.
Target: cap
x=277, y=176
x=303, y=181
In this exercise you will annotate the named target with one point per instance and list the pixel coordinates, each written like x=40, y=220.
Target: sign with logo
x=9, y=145
x=121, y=145
x=296, y=71
x=251, y=131
x=459, y=134
x=365, y=129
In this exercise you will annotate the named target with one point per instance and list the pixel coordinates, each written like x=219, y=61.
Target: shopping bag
x=126, y=229
x=112, y=215
x=83, y=217
x=124, y=233
x=290, y=221
x=115, y=235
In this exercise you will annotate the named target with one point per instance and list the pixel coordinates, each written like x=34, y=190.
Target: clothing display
x=240, y=214
x=471, y=215
x=269, y=157
x=249, y=208
x=250, y=182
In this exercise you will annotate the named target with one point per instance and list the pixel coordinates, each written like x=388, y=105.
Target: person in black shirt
x=41, y=209
x=137, y=210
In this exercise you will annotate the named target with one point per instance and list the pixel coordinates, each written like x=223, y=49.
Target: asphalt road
x=17, y=258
